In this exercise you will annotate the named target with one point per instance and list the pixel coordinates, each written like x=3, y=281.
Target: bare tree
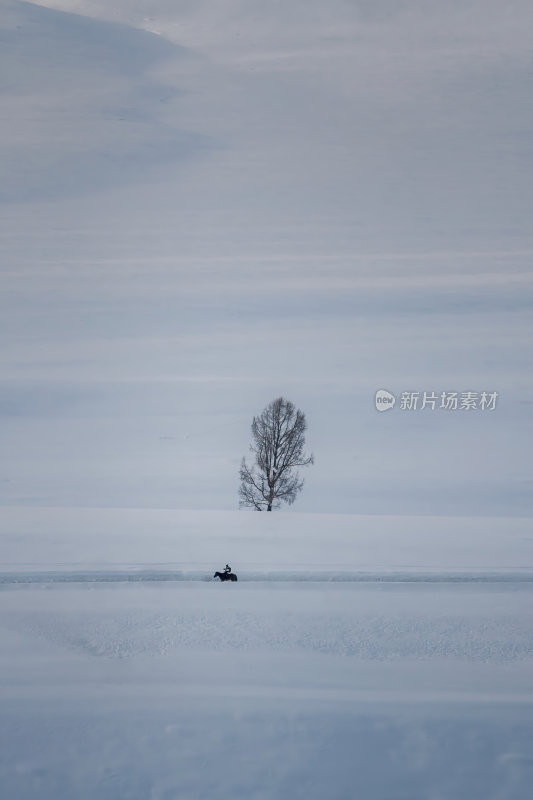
x=277, y=447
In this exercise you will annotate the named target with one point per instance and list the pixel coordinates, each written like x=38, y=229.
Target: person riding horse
x=227, y=575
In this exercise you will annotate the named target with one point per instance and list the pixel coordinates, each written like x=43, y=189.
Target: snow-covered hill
x=191, y=544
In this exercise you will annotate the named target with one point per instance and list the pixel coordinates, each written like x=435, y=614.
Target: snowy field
x=354, y=658
x=205, y=206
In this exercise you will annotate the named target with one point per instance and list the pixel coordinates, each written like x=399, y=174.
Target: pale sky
x=206, y=205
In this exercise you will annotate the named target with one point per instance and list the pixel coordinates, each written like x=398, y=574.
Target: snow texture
x=204, y=205
x=137, y=682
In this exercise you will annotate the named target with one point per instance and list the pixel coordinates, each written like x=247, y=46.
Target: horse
x=225, y=576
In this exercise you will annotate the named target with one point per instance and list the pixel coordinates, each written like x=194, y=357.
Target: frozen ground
x=367, y=687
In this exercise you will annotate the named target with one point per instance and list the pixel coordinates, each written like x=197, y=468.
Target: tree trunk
x=271, y=496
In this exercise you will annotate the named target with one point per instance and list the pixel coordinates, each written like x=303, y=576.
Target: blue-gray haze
x=204, y=206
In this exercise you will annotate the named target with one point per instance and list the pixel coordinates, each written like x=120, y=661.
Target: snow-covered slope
x=266, y=690
x=409, y=676
x=192, y=544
